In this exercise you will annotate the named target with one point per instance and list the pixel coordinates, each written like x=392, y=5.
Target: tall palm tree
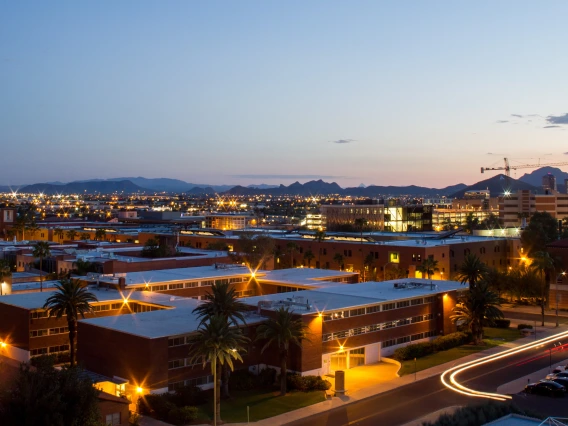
x=41, y=249
x=369, y=264
x=428, y=267
x=319, y=236
x=281, y=331
x=32, y=229
x=59, y=233
x=222, y=301
x=218, y=343
x=84, y=236
x=309, y=256
x=72, y=299
x=542, y=263
x=292, y=248
x=360, y=224
x=71, y=234
x=478, y=304
x=472, y=270
x=338, y=258
x=471, y=223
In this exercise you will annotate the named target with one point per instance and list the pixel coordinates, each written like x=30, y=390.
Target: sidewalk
x=369, y=392
x=510, y=307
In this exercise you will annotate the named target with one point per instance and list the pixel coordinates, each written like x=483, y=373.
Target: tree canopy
x=541, y=230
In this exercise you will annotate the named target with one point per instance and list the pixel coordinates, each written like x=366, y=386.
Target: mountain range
x=496, y=184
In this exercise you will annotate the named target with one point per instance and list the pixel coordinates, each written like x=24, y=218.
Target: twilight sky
x=374, y=92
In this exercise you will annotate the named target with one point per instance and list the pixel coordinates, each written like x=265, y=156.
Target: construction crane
x=507, y=167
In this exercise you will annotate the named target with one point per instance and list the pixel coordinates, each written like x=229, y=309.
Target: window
x=176, y=341
x=388, y=343
x=175, y=286
x=176, y=363
x=327, y=337
x=357, y=331
x=222, y=281
x=174, y=386
x=356, y=312
x=207, y=283
x=415, y=302
x=393, y=257
x=97, y=308
x=38, y=333
x=60, y=348
x=373, y=309
x=160, y=287
x=40, y=351
x=430, y=299
x=388, y=306
x=116, y=305
x=419, y=257
x=112, y=419
x=58, y=330
x=389, y=324
x=404, y=321
x=235, y=280
x=403, y=304
x=38, y=314
x=402, y=340
x=416, y=337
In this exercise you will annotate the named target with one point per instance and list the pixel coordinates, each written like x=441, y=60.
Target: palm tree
x=281, y=331
x=72, y=299
x=218, y=343
x=292, y=248
x=41, y=249
x=222, y=301
x=338, y=258
x=542, y=263
x=428, y=267
x=84, y=236
x=369, y=264
x=471, y=223
x=319, y=236
x=478, y=304
x=360, y=224
x=71, y=234
x=5, y=272
x=471, y=270
x=100, y=234
x=59, y=233
x=309, y=256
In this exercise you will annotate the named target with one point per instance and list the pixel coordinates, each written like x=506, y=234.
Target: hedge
x=502, y=323
x=171, y=407
x=524, y=327
x=306, y=383
x=441, y=343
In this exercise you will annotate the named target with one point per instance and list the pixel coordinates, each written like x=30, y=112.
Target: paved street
x=415, y=400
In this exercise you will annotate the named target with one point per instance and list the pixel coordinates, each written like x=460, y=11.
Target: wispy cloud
x=517, y=115
x=502, y=121
x=557, y=119
x=287, y=177
x=550, y=127
x=566, y=153
x=340, y=141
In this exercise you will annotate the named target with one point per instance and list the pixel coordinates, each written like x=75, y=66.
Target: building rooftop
x=334, y=296
x=303, y=276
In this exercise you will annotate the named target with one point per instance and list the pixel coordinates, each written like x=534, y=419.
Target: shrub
x=189, y=395
x=159, y=405
x=416, y=350
x=182, y=415
x=242, y=380
x=449, y=341
x=306, y=383
x=502, y=323
x=266, y=377
x=524, y=326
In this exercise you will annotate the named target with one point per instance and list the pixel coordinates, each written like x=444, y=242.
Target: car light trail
x=448, y=377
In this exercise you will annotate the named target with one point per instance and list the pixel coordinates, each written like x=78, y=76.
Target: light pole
x=563, y=274
x=550, y=356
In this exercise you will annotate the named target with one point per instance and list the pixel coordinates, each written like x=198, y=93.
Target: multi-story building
x=515, y=209
x=7, y=220
x=229, y=222
x=549, y=183
x=378, y=217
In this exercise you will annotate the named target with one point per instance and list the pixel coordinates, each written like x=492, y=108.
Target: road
x=413, y=401
x=531, y=318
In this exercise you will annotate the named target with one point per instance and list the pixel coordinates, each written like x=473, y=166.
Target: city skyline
x=250, y=93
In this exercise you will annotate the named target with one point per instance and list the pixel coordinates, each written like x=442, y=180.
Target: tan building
x=515, y=208
x=229, y=222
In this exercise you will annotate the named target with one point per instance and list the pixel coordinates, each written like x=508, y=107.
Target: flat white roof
x=336, y=296
x=303, y=276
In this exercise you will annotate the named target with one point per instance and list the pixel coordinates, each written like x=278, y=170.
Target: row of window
x=180, y=363
x=190, y=382
x=193, y=284
x=49, y=332
x=328, y=337
x=245, y=293
x=329, y=316
x=406, y=339
x=50, y=350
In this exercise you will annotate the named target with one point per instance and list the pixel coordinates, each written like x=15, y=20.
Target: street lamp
x=563, y=274
x=559, y=344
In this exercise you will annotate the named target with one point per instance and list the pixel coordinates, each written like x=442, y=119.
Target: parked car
x=561, y=381
x=546, y=388
x=557, y=370
x=563, y=374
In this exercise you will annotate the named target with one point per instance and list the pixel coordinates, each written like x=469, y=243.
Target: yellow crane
x=507, y=167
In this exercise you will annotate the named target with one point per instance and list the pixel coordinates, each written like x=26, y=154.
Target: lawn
x=262, y=404
x=493, y=337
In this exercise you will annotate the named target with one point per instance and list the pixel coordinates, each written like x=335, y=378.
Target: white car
x=557, y=370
